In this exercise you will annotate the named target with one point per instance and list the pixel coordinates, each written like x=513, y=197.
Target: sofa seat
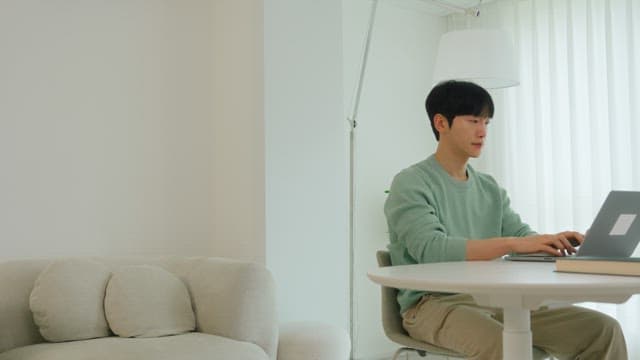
x=191, y=346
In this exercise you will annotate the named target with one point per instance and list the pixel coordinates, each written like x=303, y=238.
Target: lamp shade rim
x=484, y=56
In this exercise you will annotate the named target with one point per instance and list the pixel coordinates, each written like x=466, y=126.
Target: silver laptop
x=615, y=232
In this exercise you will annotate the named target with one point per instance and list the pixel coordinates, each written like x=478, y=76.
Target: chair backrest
x=391, y=319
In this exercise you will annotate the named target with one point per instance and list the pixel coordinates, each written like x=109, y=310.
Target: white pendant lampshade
x=485, y=57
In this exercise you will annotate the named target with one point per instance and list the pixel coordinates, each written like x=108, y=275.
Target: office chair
x=392, y=324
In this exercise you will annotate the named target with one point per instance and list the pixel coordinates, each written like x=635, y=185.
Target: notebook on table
x=615, y=231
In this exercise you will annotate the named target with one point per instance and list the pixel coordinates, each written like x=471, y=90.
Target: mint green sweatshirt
x=431, y=216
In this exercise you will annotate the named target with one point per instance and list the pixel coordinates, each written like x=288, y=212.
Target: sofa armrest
x=309, y=340
x=17, y=327
x=235, y=299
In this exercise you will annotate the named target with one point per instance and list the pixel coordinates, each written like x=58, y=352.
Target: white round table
x=516, y=287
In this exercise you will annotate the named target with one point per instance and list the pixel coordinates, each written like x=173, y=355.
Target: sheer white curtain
x=571, y=131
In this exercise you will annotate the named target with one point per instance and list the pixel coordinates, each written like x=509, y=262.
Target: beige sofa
x=233, y=302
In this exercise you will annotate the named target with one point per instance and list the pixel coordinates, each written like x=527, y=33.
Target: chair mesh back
x=391, y=319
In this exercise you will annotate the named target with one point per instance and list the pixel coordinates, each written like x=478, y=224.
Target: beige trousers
x=456, y=322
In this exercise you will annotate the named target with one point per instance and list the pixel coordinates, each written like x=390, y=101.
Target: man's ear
x=440, y=122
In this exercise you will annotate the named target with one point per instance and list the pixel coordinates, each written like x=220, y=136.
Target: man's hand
x=560, y=244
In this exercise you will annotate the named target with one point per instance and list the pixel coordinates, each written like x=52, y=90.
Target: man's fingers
x=573, y=235
x=551, y=250
x=567, y=244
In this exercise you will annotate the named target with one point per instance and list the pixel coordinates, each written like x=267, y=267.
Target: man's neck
x=455, y=166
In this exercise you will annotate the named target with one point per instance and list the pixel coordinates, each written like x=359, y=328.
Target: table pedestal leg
x=516, y=335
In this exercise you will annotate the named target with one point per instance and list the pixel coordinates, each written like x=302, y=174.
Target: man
x=441, y=209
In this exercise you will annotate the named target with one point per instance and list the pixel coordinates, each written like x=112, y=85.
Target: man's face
x=466, y=135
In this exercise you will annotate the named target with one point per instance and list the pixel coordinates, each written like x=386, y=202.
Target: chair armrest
x=235, y=299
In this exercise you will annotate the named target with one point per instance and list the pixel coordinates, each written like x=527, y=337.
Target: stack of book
x=599, y=265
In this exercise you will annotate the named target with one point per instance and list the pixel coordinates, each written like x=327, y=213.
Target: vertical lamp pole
x=352, y=140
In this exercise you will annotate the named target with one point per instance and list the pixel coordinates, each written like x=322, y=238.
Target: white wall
x=393, y=132
x=238, y=219
x=109, y=142
x=306, y=159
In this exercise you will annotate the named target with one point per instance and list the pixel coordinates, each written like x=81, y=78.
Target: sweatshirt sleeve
x=413, y=222
x=512, y=225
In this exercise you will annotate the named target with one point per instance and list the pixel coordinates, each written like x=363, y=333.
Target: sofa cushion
x=147, y=301
x=67, y=300
x=191, y=346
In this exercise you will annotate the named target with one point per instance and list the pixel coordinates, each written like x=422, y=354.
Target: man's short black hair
x=452, y=98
